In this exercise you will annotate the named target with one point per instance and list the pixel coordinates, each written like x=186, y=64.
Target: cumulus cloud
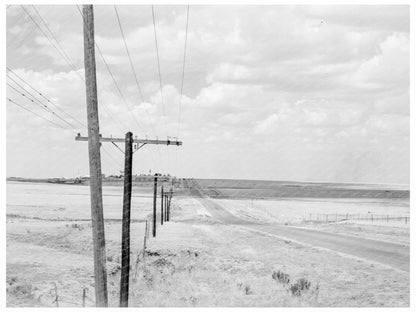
x=278, y=84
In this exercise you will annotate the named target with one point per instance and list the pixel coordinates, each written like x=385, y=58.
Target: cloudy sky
x=311, y=93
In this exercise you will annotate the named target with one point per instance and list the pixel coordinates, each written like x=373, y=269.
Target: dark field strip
x=274, y=189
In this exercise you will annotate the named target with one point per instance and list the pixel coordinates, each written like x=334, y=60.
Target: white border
x=196, y=2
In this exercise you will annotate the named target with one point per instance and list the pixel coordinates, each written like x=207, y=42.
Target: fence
x=335, y=217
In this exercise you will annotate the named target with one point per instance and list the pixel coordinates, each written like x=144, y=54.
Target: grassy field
x=249, y=189
x=194, y=260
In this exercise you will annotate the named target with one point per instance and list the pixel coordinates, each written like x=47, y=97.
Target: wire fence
x=336, y=217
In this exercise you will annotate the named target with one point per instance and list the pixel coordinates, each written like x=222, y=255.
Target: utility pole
x=154, y=204
x=167, y=207
x=125, y=239
x=161, y=206
x=97, y=217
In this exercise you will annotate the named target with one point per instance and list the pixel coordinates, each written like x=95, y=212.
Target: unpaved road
x=393, y=255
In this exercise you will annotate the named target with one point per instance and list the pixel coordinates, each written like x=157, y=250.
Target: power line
x=183, y=79
x=34, y=100
x=114, y=81
x=40, y=116
x=112, y=77
x=160, y=75
x=128, y=54
x=132, y=67
x=56, y=40
x=64, y=56
x=111, y=157
x=158, y=61
x=44, y=97
x=47, y=37
x=183, y=68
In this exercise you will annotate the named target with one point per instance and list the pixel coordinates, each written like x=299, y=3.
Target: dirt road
x=393, y=255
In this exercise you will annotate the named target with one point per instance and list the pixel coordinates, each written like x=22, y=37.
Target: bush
x=300, y=286
x=281, y=277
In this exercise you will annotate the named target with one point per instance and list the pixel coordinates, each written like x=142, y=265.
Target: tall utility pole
x=161, y=206
x=125, y=240
x=97, y=217
x=154, y=204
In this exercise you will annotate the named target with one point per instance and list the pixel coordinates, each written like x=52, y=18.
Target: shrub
x=300, y=286
x=248, y=290
x=281, y=277
x=77, y=226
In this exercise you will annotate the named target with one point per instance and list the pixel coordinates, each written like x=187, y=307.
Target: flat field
x=196, y=259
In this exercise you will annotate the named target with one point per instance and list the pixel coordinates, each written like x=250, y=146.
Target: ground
x=195, y=259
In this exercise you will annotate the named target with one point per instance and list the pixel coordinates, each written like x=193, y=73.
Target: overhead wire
x=183, y=69
x=34, y=113
x=58, y=47
x=65, y=57
x=45, y=98
x=158, y=62
x=182, y=83
x=135, y=77
x=160, y=75
x=49, y=39
x=132, y=66
x=57, y=42
x=34, y=100
x=112, y=77
x=119, y=166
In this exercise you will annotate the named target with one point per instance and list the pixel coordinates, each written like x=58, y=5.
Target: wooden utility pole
x=161, y=206
x=125, y=240
x=154, y=204
x=167, y=207
x=97, y=217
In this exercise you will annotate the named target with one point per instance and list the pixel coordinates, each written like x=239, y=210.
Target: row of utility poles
x=94, y=142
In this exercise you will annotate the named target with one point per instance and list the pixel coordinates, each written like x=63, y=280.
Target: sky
x=305, y=93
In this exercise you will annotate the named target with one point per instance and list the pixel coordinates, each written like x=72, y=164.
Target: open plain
x=229, y=243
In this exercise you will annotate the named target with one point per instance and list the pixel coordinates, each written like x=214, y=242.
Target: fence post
x=83, y=297
x=346, y=216
x=56, y=296
x=144, y=246
x=310, y=217
x=387, y=218
x=372, y=219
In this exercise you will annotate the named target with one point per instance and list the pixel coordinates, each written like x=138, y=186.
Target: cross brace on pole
x=139, y=141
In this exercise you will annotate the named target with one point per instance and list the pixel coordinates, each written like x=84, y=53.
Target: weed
x=77, y=226
x=281, y=277
x=12, y=280
x=247, y=290
x=115, y=269
x=19, y=289
x=152, y=253
x=300, y=286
